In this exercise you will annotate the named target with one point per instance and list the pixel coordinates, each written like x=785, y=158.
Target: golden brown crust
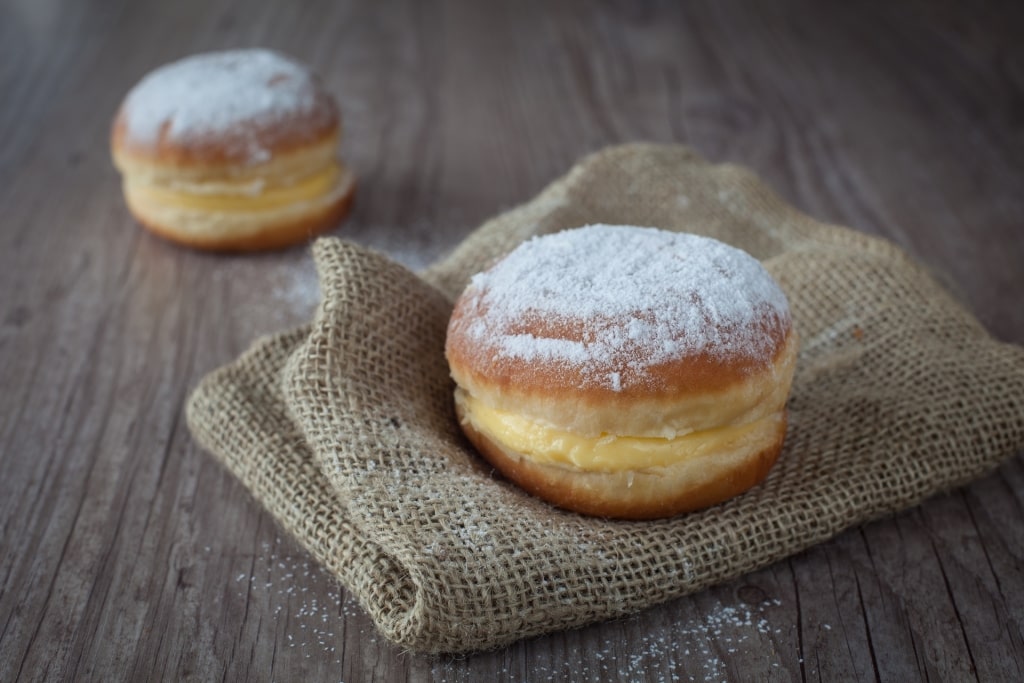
x=320, y=123
x=278, y=234
x=285, y=168
x=647, y=494
x=689, y=374
x=694, y=407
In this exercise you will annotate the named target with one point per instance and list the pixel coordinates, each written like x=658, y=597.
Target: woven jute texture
x=344, y=430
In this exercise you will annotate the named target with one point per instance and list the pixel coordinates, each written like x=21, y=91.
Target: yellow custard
x=604, y=453
x=309, y=188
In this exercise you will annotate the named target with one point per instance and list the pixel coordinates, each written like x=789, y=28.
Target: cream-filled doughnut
x=623, y=371
x=233, y=150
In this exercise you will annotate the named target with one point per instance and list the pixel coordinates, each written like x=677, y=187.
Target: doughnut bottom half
x=650, y=493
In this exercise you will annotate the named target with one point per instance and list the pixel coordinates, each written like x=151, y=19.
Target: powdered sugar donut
x=624, y=371
x=232, y=150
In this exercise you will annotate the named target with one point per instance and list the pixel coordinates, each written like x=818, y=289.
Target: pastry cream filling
x=604, y=453
x=247, y=197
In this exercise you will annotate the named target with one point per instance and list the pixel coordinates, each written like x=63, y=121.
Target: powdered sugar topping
x=649, y=296
x=218, y=95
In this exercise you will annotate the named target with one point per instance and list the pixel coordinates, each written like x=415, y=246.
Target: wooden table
x=126, y=553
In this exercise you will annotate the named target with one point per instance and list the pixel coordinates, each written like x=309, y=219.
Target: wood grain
x=127, y=554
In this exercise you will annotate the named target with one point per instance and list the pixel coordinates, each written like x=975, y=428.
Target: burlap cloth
x=344, y=430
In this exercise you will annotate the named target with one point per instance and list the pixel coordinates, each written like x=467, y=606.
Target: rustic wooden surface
x=126, y=553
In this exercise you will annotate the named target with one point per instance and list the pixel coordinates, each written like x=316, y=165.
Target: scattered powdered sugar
x=296, y=290
x=649, y=296
x=271, y=293
x=693, y=650
x=312, y=617
x=704, y=648
x=310, y=611
x=219, y=94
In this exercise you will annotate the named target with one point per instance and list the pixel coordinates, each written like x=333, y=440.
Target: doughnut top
x=235, y=105
x=618, y=308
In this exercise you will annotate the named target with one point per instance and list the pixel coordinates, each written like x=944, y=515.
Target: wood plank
x=126, y=553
